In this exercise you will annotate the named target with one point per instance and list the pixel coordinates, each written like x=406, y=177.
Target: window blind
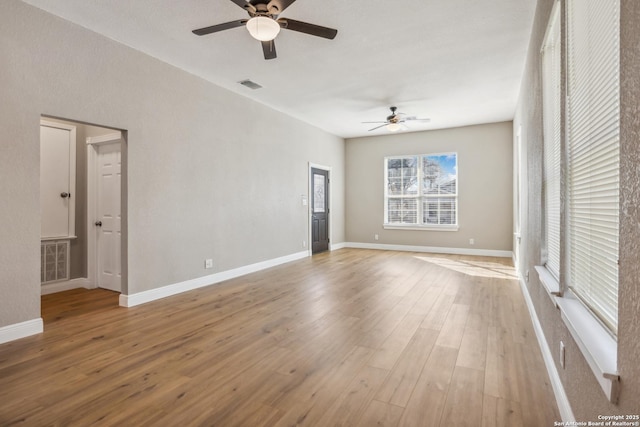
x=551, y=95
x=593, y=154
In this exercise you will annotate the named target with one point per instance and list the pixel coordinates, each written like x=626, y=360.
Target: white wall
x=210, y=174
x=485, y=178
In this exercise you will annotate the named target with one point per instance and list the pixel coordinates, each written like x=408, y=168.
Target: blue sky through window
x=448, y=165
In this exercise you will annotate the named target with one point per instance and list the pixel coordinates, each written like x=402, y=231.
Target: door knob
x=98, y=223
x=64, y=194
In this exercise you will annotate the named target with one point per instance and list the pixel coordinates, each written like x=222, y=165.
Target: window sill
x=549, y=282
x=420, y=227
x=598, y=347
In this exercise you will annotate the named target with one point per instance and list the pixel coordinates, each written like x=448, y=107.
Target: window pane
x=409, y=211
x=395, y=186
x=318, y=193
x=440, y=174
x=439, y=211
x=551, y=115
x=402, y=176
x=403, y=211
x=394, y=217
x=593, y=114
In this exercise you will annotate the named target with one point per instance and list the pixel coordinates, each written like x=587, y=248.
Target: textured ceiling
x=457, y=62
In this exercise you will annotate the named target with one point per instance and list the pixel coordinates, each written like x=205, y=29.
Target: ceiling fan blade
x=220, y=27
x=377, y=127
x=245, y=4
x=415, y=119
x=269, y=49
x=280, y=5
x=311, y=29
x=375, y=122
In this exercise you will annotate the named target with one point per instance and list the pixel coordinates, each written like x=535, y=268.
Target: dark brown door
x=319, y=210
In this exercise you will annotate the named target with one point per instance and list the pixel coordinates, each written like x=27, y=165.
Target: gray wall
x=585, y=395
x=210, y=174
x=485, y=177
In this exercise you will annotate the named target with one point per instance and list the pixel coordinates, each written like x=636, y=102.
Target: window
x=593, y=117
x=551, y=97
x=590, y=181
x=422, y=191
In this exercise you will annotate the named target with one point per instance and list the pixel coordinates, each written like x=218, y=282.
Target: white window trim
x=552, y=146
x=416, y=227
x=421, y=227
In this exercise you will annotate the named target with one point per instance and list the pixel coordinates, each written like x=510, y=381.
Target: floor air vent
x=54, y=261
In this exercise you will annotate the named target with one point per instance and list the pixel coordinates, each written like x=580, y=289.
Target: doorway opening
x=83, y=210
x=319, y=208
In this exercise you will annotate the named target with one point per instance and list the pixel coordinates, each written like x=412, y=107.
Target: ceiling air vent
x=251, y=85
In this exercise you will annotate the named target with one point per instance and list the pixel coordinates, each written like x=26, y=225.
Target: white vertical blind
x=551, y=94
x=593, y=153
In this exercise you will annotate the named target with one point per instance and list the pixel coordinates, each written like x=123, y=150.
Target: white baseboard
x=336, y=246
x=21, y=330
x=558, y=389
x=52, y=288
x=188, y=285
x=430, y=249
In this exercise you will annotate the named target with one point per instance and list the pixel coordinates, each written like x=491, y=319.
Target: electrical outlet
x=472, y=241
x=526, y=276
x=562, y=354
x=208, y=263
x=304, y=243
x=376, y=237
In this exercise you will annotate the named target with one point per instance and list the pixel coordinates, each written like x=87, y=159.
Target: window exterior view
x=421, y=190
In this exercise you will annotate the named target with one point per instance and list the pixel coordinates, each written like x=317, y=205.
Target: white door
x=109, y=217
x=56, y=186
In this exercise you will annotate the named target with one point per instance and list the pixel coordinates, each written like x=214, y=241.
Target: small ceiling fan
x=264, y=25
x=396, y=121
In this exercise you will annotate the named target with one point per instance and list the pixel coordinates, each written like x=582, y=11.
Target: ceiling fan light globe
x=263, y=28
x=393, y=127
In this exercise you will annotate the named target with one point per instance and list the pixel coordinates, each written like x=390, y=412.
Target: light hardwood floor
x=348, y=338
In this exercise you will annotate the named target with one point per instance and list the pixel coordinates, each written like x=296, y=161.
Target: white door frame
x=518, y=203
x=310, y=208
x=93, y=143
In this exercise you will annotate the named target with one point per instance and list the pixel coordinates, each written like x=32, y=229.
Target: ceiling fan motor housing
x=263, y=9
x=393, y=118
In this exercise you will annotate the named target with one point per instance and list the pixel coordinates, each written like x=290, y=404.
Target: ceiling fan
x=264, y=25
x=396, y=121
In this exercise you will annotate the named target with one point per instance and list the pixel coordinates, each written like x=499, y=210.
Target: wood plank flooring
x=348, y=338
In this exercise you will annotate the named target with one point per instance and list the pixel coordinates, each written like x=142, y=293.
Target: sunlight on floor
x=473, y=267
